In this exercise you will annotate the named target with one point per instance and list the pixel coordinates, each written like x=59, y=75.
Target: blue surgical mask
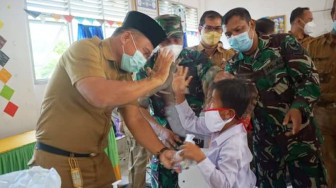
x=334, y=25
x=132, y=63
x=241, y=42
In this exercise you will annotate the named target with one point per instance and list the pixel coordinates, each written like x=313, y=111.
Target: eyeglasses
x=208, y=28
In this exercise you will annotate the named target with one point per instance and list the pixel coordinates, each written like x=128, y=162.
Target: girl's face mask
x=214, y=121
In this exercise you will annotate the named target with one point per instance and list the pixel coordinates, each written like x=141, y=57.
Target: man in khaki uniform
x=302, y=25
x=92, y=78
x=323, y=53
x=211, y=30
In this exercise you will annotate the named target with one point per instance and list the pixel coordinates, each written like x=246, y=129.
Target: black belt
x=58, y=151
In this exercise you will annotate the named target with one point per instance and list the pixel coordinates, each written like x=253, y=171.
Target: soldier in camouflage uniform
x=162, y=99
x=323, y=52
x=285, y=136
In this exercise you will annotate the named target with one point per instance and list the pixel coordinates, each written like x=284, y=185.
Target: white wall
x=27, y=95
x=262, y=8
x=199, y=4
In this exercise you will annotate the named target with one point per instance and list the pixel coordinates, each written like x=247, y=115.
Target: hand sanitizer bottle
x=181, y=164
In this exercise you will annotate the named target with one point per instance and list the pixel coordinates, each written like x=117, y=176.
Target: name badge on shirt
x=76, y=175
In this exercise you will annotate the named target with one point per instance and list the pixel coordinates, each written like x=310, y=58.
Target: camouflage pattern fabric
x=219, y=56
x=203, y=72
x=171, y=24
x=286, y=78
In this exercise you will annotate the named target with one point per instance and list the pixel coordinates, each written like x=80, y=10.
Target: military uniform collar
x=263, y=43
x=301, y=40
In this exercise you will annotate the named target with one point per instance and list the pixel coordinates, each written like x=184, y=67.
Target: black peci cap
x=146, y=25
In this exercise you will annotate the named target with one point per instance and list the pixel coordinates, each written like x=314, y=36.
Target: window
x=189, y=18
x=51, y=34
x=46, y=54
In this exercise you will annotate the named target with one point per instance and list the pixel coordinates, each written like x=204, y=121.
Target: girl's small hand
x=192, y=151
x=180, y=83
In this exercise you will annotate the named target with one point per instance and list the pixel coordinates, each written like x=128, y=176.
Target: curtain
x=112, y=152
x=185, y=42
x=89, y=31
x=16, y=159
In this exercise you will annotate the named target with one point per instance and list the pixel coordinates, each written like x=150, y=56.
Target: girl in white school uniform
x=226, y=164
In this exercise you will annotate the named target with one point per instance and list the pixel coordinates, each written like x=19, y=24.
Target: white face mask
x=176, y=49
x=309, y=28
x=214, y=122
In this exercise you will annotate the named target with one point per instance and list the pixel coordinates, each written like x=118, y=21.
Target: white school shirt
x=227, y=164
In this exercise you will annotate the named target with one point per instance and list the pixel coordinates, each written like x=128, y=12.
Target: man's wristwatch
x=160, y=152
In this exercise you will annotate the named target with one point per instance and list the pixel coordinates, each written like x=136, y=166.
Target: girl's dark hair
x=236, y=94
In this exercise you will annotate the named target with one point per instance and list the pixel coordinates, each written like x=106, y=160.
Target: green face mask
x=132, y=63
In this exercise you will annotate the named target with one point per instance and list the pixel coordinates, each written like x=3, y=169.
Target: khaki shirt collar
x=107, y=49
x=200, y=47
x=329, y=39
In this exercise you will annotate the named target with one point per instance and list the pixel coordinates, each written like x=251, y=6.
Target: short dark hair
x=296, y=13
x=211, y=15
x=235, y=94
x=241, y=12
x=265, y=26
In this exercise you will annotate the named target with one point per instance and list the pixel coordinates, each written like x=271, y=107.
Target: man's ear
x=253, y=24
x=199, y=29
x=298, y=21
x=125, y=36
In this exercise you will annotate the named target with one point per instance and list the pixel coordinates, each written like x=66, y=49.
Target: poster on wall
x=279, y=23
x=3, y=58
x=149, y=7
x=2, y=41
